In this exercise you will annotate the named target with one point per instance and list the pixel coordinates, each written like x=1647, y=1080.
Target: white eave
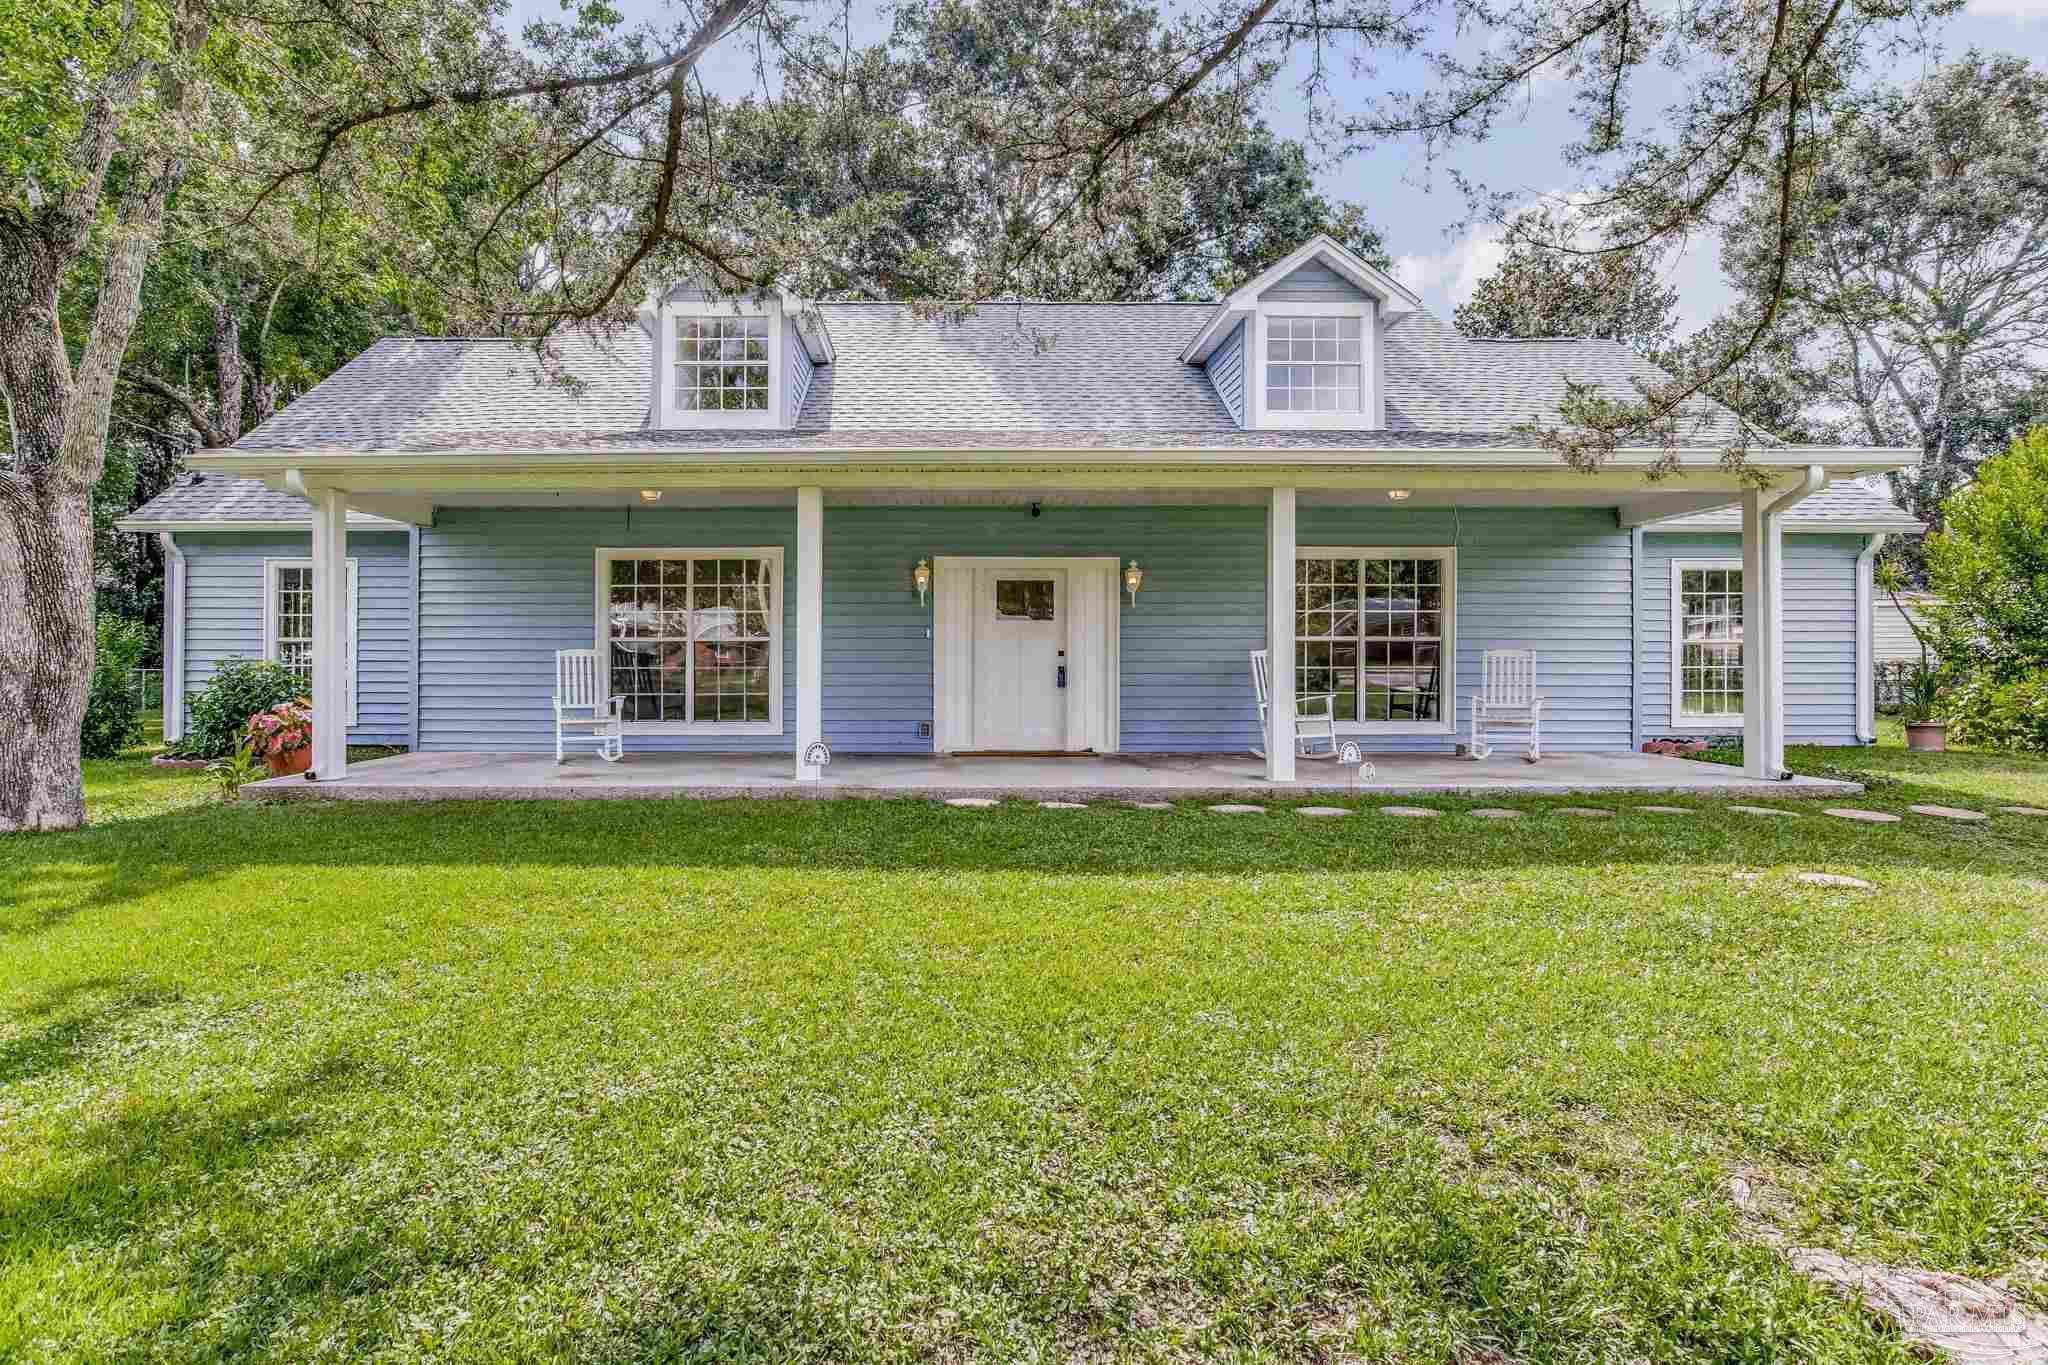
x=810, y=323
x=1393, y=296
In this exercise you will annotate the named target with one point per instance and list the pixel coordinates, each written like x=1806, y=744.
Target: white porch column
x=810, y=627
x=1763, y=664
x=1280, y=523
x=330, y=634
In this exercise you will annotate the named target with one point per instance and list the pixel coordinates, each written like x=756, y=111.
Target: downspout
x=174, y=637
x=1635, y=640
x=1866, y=641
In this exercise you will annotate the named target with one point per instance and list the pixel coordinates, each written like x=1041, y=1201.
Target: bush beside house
x=113, y=706
x=217, y=718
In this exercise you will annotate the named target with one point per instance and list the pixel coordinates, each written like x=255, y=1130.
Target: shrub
x=1993, y=715
x=1990, y=567
x=219, y=715
x=113, y=707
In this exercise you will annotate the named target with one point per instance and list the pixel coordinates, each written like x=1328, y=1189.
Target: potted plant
x=282, y=735
x=1923, y=695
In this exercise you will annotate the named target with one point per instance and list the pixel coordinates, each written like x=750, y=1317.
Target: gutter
x=174, y=637
x=1866, y=641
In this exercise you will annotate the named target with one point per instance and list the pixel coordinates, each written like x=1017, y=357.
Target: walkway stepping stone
x=1833, y=879
x=1868, y=817
x=1765, y=810
x=1150, y=805
x=1949, y=812
x=1409, y=812
x=1063, y=805
x=1494, y=813
x=1668, y=810
x=1232, y=808
x=1588, y=812
x=971, y=802
x=1325, y=811
x=2023, y=810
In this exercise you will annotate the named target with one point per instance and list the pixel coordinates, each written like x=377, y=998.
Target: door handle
x=1063, y=675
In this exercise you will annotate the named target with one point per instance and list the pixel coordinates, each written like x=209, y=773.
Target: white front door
x=1020, y=659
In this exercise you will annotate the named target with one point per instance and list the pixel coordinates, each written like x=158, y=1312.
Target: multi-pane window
x=291, y=598
x=1314, y=364
x=1709, y=642
x=1370, y=632
x=692, y=638
x=722, y=364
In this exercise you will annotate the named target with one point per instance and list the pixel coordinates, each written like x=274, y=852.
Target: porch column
x=330, y=634
x=1280, y=635
x=810, y=627
x=1763, y=663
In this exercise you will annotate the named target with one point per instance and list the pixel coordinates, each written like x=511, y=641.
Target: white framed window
x=722, y=364
x=1375, y=628
x=1313, y=365
x=1706, y=643
x=692, y=638
x=288, y=622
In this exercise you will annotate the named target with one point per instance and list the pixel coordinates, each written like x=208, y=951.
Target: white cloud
x=2021, y=12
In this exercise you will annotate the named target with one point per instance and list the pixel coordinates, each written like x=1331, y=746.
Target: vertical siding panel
x=225, y=604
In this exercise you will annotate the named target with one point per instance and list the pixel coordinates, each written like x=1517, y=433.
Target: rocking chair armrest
x=1328, y=699
x=1536, y=706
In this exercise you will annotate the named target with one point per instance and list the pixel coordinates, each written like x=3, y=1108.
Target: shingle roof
x=221, y=498
x=1844, y=503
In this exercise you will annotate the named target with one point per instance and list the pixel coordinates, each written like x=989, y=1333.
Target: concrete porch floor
x=472, y=776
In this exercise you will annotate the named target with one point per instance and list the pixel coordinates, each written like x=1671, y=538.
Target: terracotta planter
x=1928, y=736
x=289, y=762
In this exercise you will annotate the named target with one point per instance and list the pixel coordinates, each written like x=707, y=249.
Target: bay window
x=693, y=638
x=1374, y=629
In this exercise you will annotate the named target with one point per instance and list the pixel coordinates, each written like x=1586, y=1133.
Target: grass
x=885, y=1080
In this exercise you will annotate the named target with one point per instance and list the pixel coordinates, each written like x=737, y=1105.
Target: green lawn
x=857, y=1080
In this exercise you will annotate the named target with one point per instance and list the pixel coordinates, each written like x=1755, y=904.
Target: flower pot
x=1928, y=736
x=290, y=761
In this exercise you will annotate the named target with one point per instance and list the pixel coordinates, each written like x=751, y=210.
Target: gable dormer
x=1300, y=346
x=725, y=362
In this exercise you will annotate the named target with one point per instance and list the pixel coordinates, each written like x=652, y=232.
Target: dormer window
x=722, y=364
x=1315, y=364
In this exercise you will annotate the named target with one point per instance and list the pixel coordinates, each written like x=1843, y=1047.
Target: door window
x=1024, y=599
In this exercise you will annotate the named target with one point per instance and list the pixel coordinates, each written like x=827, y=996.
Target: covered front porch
x=477, y=776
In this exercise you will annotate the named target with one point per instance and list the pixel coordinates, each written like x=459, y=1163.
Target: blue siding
x=1314, y=282
x=224, y=602
x=502, y=589
x=1227, y=373
x=797, y=369
x=1820, y=631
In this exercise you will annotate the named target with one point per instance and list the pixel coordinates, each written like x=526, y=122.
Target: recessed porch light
x=1397, y=494
x=650, y=495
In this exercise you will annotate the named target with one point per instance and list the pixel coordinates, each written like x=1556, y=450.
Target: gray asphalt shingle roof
x=1846, y=502
x=227, y=500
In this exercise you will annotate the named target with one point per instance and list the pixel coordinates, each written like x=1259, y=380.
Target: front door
x=1020, y=659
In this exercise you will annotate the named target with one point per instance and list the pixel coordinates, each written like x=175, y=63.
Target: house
x=1040, y=527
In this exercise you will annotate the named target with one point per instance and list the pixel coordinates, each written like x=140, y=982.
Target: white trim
x=1680, y=718
x=357, y=521
x=668, y=415
x=1372, y=280
x=601, y=636
x=270, y=641
x=1283, y=566
x=1447, y=650
x=810, y=628
x=1094, y=622
x=1866, y=639
x=174, y=637
x=1255, y=372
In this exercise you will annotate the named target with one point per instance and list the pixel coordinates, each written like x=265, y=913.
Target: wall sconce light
x=921, y=577
x=1133, y=576
x=650, y=495
x=1397, y=495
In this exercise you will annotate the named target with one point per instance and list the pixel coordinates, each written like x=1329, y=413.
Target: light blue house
x=1040, y=528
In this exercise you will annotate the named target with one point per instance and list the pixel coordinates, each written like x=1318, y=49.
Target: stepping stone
x=1063, y=805
x=1494, y=813
x=1747, y=876
x=1410, y=812
x=2023, y=810
x=1765, y=810
x=1230, y=808
x=1150, y=805
x=1668, y=810
x=1949, y=812
x=1833, y=879
x=1324, y=811
x=1587, y=812
x=971, y=802
x=1868, y=817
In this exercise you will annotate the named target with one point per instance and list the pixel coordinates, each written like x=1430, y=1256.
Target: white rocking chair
x=1507, y=700
x=1315, y=715
x=576, y=689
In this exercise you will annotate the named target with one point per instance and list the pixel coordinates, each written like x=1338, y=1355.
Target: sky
x=1416, y=206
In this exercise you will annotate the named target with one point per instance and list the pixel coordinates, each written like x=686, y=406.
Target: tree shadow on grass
x=67, y=1041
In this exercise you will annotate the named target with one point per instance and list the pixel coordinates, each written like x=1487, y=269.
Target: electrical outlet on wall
x=924, y=729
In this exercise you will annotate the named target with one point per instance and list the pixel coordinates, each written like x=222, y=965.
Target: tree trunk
x=46, y=658
x=227, y=363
